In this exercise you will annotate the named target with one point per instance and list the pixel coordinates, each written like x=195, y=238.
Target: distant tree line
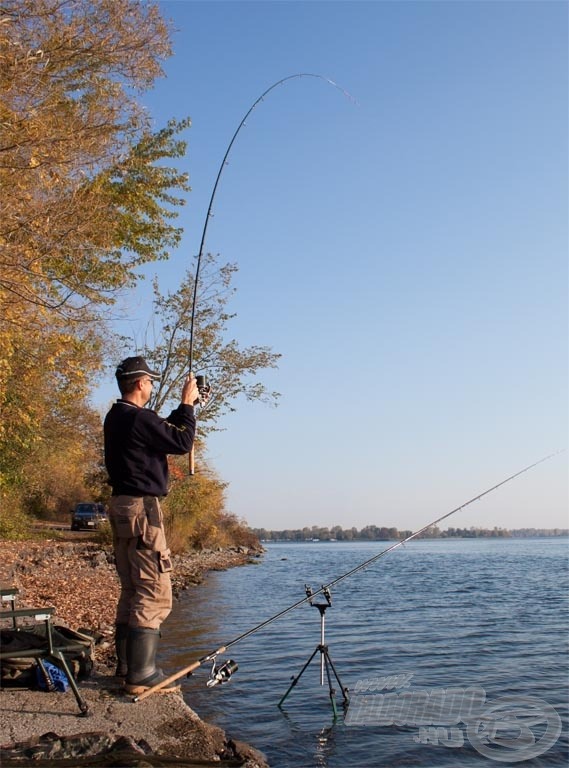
x=382, y=533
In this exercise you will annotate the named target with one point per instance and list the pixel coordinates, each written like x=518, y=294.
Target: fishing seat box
x=43, y=643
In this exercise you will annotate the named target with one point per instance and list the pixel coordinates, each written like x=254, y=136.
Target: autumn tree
x=88, y=194
x=80, y=207
x=232, y=370
x=195, y=509
x=85, y=199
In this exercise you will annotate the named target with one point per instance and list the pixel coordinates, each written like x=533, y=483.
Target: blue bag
x=56, y=675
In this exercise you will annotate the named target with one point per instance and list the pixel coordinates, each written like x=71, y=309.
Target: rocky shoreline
x=78, y=579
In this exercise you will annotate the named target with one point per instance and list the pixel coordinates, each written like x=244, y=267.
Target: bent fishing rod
x=201, y=381
x=325, y=588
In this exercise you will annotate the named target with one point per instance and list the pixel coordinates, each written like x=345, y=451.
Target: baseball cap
x=133, y=367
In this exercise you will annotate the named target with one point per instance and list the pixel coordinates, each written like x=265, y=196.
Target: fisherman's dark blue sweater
x=137, y=442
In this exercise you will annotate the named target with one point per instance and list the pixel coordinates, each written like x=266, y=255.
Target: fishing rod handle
x=167, y=681
x=191, y=455
x=178, y=675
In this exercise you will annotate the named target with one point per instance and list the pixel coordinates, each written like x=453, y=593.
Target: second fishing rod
x=222, y=673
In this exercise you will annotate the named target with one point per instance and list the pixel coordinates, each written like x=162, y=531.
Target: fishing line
x=210, y=206
x=326, y=587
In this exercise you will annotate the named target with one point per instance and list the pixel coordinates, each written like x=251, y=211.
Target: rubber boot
x=141, y=648
x=121, y=634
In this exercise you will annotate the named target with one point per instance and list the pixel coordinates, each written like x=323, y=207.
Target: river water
x=477, y=628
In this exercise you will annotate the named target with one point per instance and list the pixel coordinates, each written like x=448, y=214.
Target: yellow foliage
x=195, y=511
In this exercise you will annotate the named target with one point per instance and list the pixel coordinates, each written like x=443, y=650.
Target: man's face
x=146, y=388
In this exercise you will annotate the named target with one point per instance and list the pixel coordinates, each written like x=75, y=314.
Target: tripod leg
x=327, y=664
x=297, y=678
x=344, y=690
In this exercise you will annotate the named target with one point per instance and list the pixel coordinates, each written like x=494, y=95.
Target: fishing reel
x=222, y=672
x=204, y=388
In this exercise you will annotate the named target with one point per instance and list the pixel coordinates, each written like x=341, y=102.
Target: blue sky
x=406, y=255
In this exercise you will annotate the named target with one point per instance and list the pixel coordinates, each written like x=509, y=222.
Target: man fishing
x=137, y=442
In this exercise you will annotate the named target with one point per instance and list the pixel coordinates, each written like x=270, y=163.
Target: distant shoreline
x=293, y=538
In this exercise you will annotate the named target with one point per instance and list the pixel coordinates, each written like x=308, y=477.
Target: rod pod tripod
x=326, y=663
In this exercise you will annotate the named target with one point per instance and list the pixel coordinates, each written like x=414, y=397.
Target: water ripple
x=449, y=614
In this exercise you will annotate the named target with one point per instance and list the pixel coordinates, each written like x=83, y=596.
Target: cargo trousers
x=142, y=561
